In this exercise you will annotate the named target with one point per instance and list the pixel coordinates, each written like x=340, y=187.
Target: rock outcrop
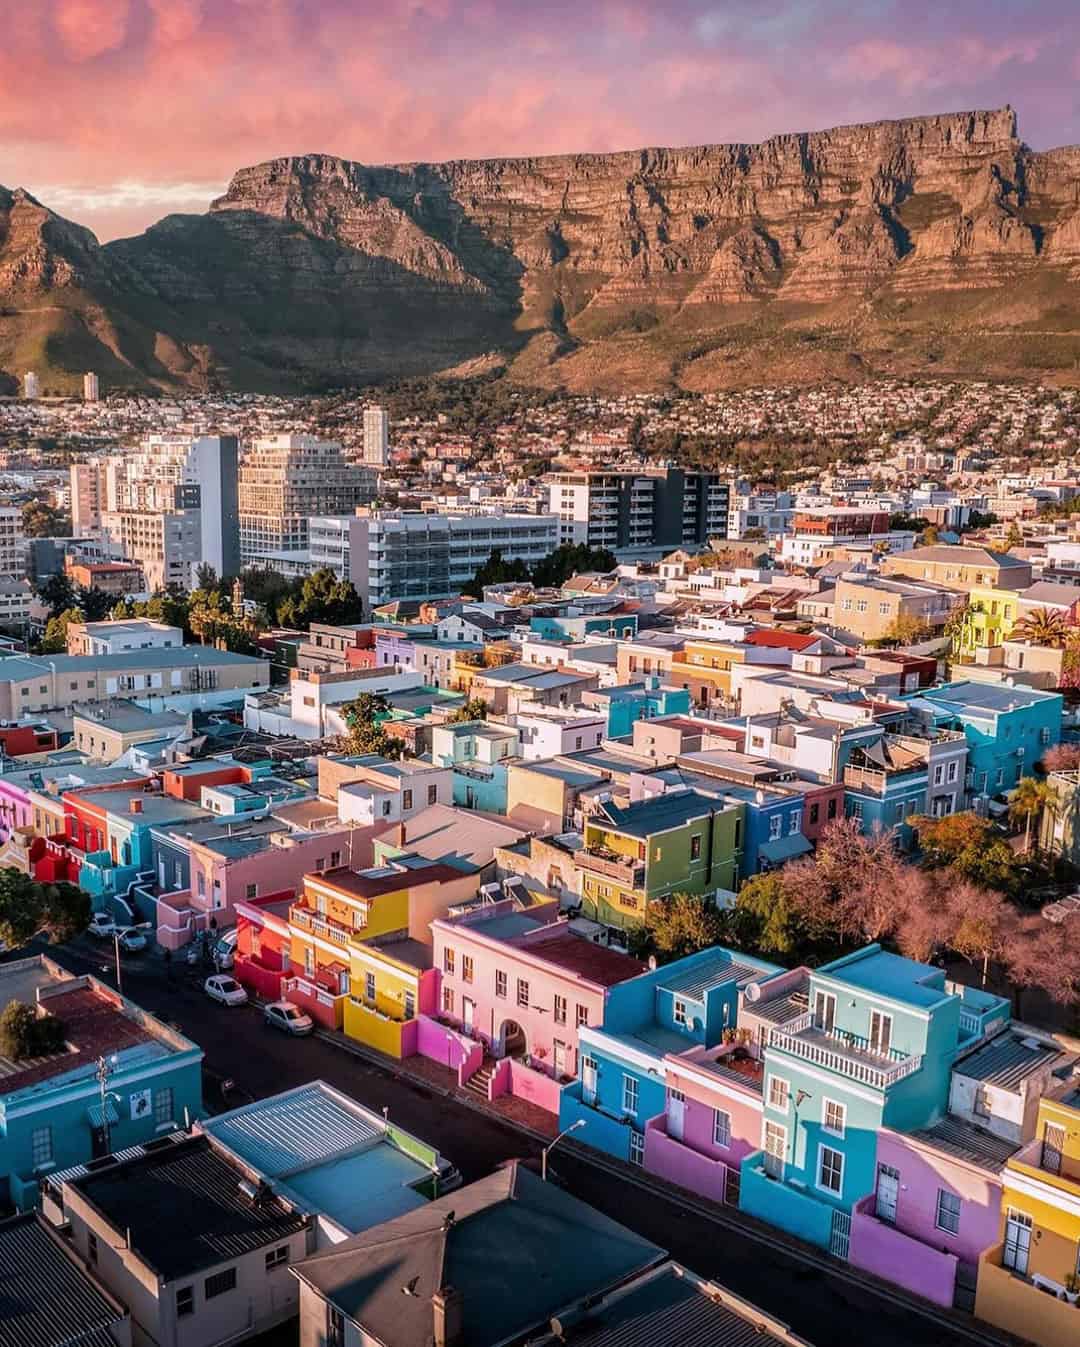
x=313, y=270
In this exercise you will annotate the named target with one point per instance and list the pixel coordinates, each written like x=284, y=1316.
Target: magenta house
x=712, y=1119
x=523, y=983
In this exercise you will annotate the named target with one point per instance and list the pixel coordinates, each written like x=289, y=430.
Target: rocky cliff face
x=889, y=245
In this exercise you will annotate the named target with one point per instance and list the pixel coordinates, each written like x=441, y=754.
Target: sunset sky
x=116, y=112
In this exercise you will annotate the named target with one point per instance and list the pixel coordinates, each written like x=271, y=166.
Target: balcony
x=612, y=866
x=306, y=920
x=843, y=1054
x=1030, y=1309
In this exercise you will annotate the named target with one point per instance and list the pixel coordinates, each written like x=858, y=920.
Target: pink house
x=712, y=1120
x=936, y=1209
x=523, y=983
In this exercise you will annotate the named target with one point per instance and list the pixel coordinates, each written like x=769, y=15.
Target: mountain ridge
x=884, y=247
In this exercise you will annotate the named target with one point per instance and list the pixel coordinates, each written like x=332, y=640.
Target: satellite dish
x=752, y=992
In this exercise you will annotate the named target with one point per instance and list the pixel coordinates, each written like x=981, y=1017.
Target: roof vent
x=1032, y=1044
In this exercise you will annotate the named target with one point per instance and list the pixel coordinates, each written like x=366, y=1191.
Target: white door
x=824, y=1011
x=676, y=1114
x=560, y=1058
x=880, y=1033
x=1017, y=1242
x=467, y=1009
x=775, y=1149
x=588, y=1080
x=888, y=1189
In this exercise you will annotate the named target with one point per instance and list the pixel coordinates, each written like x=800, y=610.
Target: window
x=252, y=891
x=830, y=1169
x=954, y=769
x=981, y=1104
x=433, y=795
x=779, y=1093
x=776, y=824
x=629, y=1094
x=91, y=1246
x=500, y=982
x=369, y=986
x=277, y=1257
x=220, y=1283
x=880, y=1033
x=793, y=824
x=185, y=1301
x=522, y=993
x=939, y=774
x=680, y=1011
x=335, y=1327
x=466, y=968
x=637, y=1148
x=448, y=1000
x=335, y=859
x=695, y=847
x=834, y=1118
x=163, y=1106
x=448, y=960
x=832, y=807
x=721, y=1128
x=560, y=1009
x=386, y=808
x=948, y=1212
x=581, y=1014
x=41, y=1151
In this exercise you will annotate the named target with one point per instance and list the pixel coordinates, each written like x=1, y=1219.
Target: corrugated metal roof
x=695, y=981
x=1008, y=1060
x=46, y=1299
x=965, y=1141
x=293, y=1131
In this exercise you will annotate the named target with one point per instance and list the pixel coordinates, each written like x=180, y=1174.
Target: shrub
x=24, y=1034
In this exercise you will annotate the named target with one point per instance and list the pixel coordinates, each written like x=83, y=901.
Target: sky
x=118, y=112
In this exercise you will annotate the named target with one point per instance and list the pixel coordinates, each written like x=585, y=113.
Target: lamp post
x=552, y=1144
x=116, y=946
x=800, y=1097
x=102, y=1073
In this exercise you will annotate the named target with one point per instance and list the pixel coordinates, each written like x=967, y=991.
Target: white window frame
x=679, y=1011
x=721, y=1128
x=829, y=1130
x=945, y=1229
x=637, y=1147
x=824, y=1187
x=776, y=827
x=783, y=1086
x=631, y=1094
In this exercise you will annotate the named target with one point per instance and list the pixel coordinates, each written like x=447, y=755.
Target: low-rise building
x=114, y=637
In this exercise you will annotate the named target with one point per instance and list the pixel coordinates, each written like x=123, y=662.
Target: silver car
x=288, y=1018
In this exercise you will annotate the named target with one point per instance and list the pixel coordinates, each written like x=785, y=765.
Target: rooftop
x=672, y=810
x=594, y=963
x=964, y=1141
x=1009, y=1058
x=401, y=873
x=16, y=668
x=991, y=697
x=441, y=832
x=127, y=717
x=890, y=975
x=210, y=1217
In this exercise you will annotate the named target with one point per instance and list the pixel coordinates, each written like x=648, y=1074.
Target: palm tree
x=1041, y=626
x=1028, y=800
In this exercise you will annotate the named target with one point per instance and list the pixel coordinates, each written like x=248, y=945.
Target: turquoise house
x=53, y=1110
x=1008, y=729
x=636, y=701
x=479, y=754
x=871, y=1045
x=620, y=1084
x=621, y=626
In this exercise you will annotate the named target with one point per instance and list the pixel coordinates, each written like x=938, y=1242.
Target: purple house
x=397, y=646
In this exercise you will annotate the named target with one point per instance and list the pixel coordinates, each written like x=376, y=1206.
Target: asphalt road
x=819, y=1303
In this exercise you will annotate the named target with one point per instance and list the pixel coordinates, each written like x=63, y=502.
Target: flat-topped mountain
x=936, y=242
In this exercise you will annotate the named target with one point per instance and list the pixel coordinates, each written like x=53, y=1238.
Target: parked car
x=225, y=951
x=288, y=1018
x=225, y=989
x=102, y=925
x=132, y=941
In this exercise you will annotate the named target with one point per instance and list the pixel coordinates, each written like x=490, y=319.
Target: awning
x=784, y=849
x=111, y=1115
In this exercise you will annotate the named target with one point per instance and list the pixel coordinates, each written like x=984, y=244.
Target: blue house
x=636, y=701
x=53, y=1111
x=869, y=1045
x=622, y=626
x=1008, y=729
x=479, y=753
x=899, y=777
x=620, y=1083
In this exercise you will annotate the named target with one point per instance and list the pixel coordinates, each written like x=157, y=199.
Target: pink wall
x=704, y=1095
x=679, y=1164
x=886, y=1251
x=264, y=983
x=446, y=1046
x=537, y=1088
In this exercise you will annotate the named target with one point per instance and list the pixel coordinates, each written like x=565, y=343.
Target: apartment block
x=643, y=510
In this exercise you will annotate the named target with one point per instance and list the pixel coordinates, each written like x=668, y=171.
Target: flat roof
x=673, y=809
x=964, y=1141
x=705, y=974
x=1008, y=1059
x=889, y=975
x=15, y=668
x=595, y=963
x=987, y=696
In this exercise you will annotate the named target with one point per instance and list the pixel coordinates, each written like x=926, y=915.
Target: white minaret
x=376, y=436
x=31, y=388
x=91, y=389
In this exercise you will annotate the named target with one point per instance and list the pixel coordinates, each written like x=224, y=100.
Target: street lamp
x=102, y=1073
x=552, y=1144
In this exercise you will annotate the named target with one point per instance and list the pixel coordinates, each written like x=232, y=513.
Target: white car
x=288, y=1018
x=102, y=925
x=225, y=989
x=132, y=940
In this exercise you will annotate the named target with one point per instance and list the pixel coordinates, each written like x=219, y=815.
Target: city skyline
x=227, y=84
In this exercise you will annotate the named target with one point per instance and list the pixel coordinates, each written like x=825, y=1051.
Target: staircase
x=478, y=1081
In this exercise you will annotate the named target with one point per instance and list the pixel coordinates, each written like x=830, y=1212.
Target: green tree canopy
x=678, y=925
x=322, y=597
x=571, y=559
x=54, y=641
x=363, y=716
x=29, y=907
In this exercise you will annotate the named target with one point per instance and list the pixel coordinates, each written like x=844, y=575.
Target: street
x=817, y=1299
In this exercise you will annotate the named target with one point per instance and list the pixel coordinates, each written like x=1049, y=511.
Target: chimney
x=448, y=1312
x=135, y=806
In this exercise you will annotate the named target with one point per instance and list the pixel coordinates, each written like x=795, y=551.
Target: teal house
x=631, y=702
x=621, y=626
x=55, y=1109
x=869, y=1044
x=479, y=754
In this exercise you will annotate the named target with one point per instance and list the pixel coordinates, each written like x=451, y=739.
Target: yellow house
x=1029, y=1282
x=990, y=616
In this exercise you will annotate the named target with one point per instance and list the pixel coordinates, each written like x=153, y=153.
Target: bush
x=24, y=1034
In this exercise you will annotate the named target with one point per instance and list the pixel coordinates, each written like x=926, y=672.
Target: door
x=676, y=1114
x=468, y=1009
x=1052, y=1147
x=880, y=1033
x=888, y=1190
x=775, y=1150
x=824, y=1012
x=588, y=1080
x=99, y=1142
x=559, y=1059
x=1017, y=1242
x=840, y=1235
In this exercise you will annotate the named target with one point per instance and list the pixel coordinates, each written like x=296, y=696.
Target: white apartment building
x=284, y=481
x=763, y=516
x=91, y=388
x=637, y=511
x=376, y=436
x=167, y=546
x=31, y=385
x=549, y=732
x=15, y=599
x=818, y=531
x=12, y=543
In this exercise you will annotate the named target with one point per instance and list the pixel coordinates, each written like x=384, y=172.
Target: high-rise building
x=284, y=481
x=88, y=496
x=91, y=389
x=31, y=386
x=647, y=510
x=376, y=436
x=12, y=543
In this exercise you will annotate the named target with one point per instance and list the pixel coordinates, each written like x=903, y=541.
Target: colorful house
x=872, y=1046
x=618, y=623
x=621, y=1077
x=988, y=619
x=679, y=841
x=1028, y=1280
x=1008, y=729
x=627, y=703
x=899, y=777
x=479, y=755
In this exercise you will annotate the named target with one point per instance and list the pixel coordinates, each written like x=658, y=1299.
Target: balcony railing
x=308, y=921
x=627, y=871
x=842, y=1054
x=312, y=990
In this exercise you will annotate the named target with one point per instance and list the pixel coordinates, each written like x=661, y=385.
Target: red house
x=261, y=958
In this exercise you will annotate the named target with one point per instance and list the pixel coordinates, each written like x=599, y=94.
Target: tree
x=29, y=908
x=680, y=924
x=1042, y=626
x=58, y=593
x=95, y=603
x=571, y=559
x=54, y=641
x=982, y=923
x=41, y=520
x=1014, y=538
x=25, y=1033
x=972, y=848
x=474, y=709
x=206, y=577
x=1028, y=801
x=496, y=571
x=766, y=917
x=929, y=536
x=908, y=629
x=1045, y=954
x=1061, y=758
x=322, y=598
x=365, y=732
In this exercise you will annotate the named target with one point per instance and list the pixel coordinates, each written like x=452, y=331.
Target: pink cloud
x=87, y=28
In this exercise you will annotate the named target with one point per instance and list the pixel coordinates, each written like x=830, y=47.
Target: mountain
x=936, y=243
